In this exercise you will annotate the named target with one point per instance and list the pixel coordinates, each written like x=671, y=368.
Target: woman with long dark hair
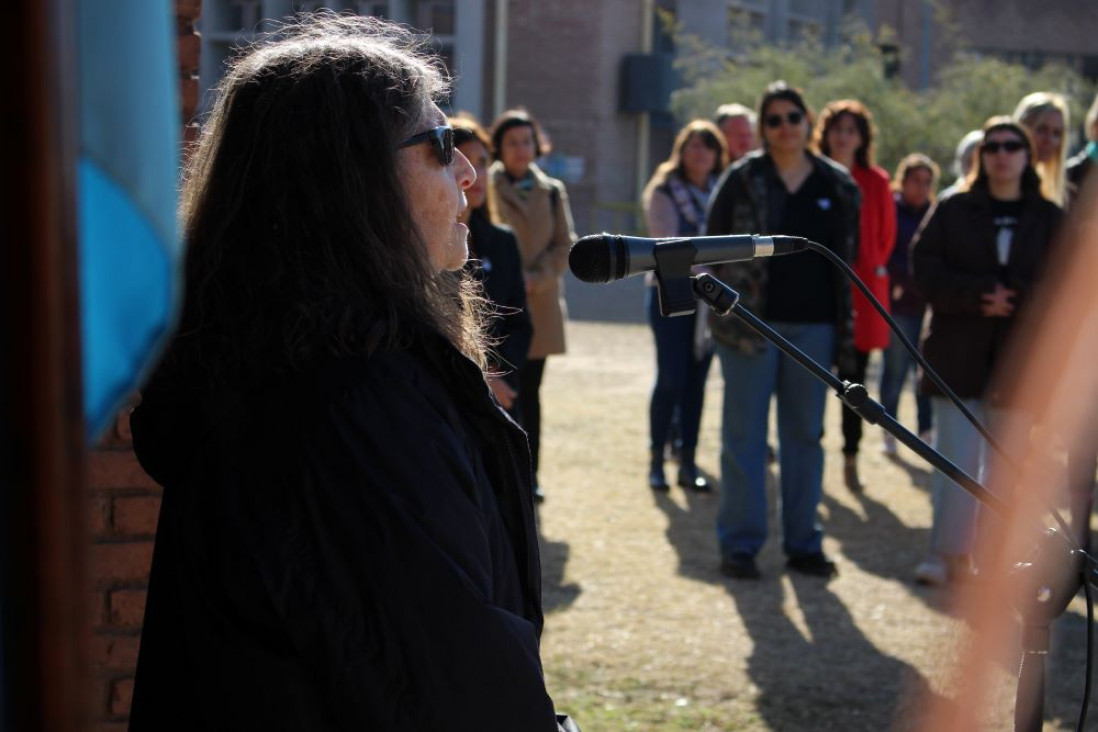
x=783, y=189
x=845, y=134
x=675, y=201
x=346, y=539
x=977, y=258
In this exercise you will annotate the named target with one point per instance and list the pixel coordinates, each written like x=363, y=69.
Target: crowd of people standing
x=955, y=270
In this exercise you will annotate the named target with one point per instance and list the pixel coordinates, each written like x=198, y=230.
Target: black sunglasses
x=442, y=140
x=1011, y=146
x=774, y=121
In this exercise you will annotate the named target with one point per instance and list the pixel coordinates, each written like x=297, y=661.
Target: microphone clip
x=674, y=258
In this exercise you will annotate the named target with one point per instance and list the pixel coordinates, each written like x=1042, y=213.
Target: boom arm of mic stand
x=724, y=301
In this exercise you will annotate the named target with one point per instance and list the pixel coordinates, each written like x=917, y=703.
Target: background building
x=599, y=74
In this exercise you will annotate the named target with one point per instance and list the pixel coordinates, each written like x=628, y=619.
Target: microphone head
x=593, y=259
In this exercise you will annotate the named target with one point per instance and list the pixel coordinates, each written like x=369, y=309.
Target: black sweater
x=349, y=547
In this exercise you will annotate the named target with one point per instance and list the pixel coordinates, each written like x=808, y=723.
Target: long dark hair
x=301, y=243
x=977, y=177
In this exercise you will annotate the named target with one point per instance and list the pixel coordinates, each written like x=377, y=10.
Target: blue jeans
x=954, y=524
x=749, y=382
x=680, y=380
x=897, y=363
x=956, y=511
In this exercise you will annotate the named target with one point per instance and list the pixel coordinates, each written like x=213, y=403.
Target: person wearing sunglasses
x=785, y=188
x=536, y=208
x=845, y=133
x=976, y=257
x=346, y=539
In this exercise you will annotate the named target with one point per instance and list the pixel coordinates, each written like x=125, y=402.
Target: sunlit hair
x=734, y=110
x=705, y=131
x=1053, y=172
x=977, y=177
x=911, y=163
x=511, y=119
x=1091, y=121
x=865, y=155
x=965, y=148
x=468, y=129
x=301, y=242
x=779, y=90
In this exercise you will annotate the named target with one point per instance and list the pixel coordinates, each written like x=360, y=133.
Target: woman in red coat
x=845, y=134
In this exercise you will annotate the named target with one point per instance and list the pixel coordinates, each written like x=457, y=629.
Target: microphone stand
x=1048, y=586
x=724, y=300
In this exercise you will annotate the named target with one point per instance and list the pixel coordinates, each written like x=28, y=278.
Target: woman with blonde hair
x=1045, y=115
x=675, y=201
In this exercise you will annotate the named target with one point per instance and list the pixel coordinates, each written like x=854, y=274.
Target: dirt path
x=643, y=633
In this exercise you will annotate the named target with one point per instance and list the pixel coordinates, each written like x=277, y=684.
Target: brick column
x=124, y=502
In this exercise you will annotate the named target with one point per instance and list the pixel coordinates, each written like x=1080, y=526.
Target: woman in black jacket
x=347, y=539
x=977, y=257
x=495, y=261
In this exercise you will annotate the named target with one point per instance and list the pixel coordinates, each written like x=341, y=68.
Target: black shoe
x=740, y=566
x=815, y=564
x=689, y=478
x=539, y=494
x=656, y=479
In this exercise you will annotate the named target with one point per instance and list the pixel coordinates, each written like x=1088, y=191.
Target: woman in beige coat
x=535, y=206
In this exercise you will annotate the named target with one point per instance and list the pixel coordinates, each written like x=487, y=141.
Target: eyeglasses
x=442, y=140
x=1011, y=146
x=774, y=121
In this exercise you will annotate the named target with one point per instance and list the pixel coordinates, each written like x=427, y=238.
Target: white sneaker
x=888, y=447
x=932, y=571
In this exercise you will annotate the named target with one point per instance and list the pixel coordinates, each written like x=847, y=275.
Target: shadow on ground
x=555, y=595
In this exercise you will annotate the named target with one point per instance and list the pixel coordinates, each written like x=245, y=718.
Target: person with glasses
x=495, y=261
x=845, y=133
x=346, y=539
x=536, y=208
x=783, y=189
x=976, y=257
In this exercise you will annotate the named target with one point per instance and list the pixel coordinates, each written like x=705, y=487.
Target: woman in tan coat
x=535, y=206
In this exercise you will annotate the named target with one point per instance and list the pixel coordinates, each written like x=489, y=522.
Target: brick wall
x=563, y=61
x=124, y=502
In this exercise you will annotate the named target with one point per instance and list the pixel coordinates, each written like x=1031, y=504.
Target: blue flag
x=127, y=180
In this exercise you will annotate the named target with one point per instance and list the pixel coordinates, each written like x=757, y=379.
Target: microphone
x=608, y=257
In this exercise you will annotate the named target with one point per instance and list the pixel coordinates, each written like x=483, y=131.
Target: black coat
x=956, y=262
x=351, y=547
x=497, y=263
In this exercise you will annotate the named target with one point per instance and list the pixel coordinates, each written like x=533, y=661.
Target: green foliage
x=967, y=91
